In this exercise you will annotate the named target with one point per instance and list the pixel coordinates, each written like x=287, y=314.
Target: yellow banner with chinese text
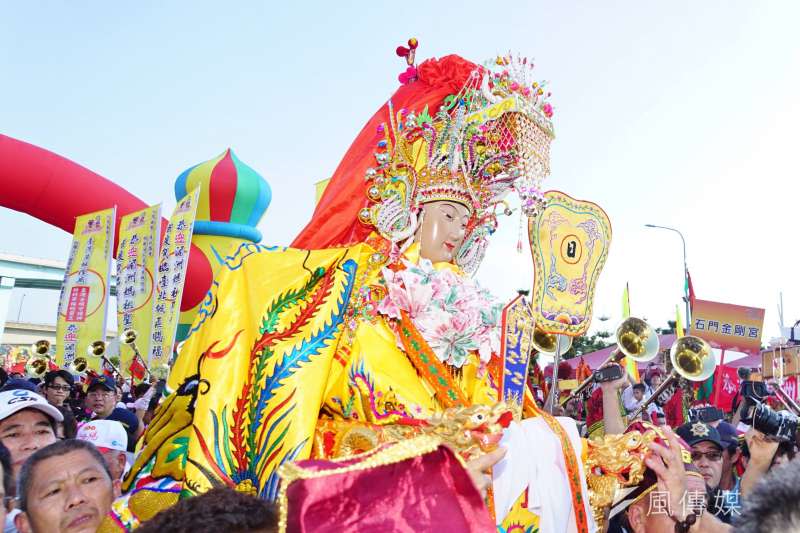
x=170, y=278
x=83, y=304
x=139, y=237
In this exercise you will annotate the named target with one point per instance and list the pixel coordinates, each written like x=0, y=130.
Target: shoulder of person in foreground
x=774, y=504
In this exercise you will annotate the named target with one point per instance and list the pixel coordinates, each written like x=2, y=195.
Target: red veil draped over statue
x=335, y=220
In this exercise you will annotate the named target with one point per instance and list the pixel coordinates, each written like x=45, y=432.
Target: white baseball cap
x=104, y=434
x=13, y=401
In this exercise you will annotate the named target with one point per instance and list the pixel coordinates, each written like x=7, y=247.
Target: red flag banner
x=726, y=384
x=137, y=369
x=790, y=387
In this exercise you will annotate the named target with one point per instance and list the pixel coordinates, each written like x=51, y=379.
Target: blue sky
x=675, y=113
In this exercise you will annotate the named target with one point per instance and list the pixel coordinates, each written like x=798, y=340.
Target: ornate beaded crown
x=490, y=137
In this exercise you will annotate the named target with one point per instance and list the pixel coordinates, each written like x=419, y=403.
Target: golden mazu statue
x=370, y=328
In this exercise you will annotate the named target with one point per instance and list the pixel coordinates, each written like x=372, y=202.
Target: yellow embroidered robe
x=287, y=357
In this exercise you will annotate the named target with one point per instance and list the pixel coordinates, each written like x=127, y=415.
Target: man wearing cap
x=670, y=494
x=731, y=453
x=101, y=399
x=707, y=448
x=27, y=423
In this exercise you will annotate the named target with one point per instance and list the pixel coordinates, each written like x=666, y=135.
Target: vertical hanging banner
x=569, y=244
x=137, y=252
x=83, y=304
x=170, y=277
x=515, y=347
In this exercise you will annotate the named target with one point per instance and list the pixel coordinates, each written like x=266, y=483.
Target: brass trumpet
x=549, y=343
x=38, y=365
x=98, y=349
x=635, y=339
x=553, y=345
x=41, y=347
x=692, y=359
x=129, y=337
x=78, y=366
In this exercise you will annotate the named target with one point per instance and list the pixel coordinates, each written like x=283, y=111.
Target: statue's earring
x=473, y=249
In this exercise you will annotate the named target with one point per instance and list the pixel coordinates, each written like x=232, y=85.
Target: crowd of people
x=65, y=447
x=367, y=351
x=740, y=466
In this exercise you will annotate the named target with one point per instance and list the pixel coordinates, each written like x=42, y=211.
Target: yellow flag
x=83, y=304
x=678, y=322
x=630, y=364
x=172, y=264
x=136, y=271
x=319, y=189
x=626, y=303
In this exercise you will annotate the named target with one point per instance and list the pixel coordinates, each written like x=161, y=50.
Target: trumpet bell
x=36, y=367
x=692, y=358
x=96, y=349
x=128, y=336
x=78, y=365
x=547, y=343
x=637, y=339
x=41, y=347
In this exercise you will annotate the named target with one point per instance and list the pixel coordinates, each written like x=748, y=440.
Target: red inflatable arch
x=56, y=190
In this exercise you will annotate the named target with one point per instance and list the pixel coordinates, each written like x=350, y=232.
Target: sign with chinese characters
x=83, y=304
x=569, y=244
x=137, y=251
x=728, y=326
x=170, y=277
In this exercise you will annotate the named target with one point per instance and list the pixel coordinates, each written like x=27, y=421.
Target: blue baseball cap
x=107, y=382
x=19, y=384
x=727, y=434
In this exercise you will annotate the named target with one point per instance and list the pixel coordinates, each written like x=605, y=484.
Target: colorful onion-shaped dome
x=233, y=196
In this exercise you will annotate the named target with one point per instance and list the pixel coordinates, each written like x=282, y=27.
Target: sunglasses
x=711, y=456
x=63, y=388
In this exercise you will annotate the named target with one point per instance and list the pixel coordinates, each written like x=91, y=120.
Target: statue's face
x=442, y=230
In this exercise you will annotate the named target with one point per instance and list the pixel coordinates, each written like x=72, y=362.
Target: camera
x=754, y=389
x=608, y=373
x=782, y=425
x=706, y=414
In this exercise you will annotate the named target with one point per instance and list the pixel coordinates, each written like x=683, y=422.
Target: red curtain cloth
x=429, y=492
x=335, y=220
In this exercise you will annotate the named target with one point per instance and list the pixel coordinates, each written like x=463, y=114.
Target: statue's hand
x=479, y=466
